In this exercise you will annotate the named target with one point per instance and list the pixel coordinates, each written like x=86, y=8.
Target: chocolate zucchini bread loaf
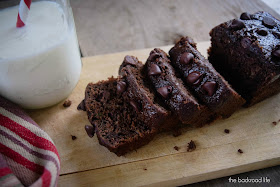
x=203, y=80
x=140, y=95
x=172, y=91
x=116, y=124
x=246, y=52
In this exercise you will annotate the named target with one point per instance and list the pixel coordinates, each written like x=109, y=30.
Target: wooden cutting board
x=85, y=163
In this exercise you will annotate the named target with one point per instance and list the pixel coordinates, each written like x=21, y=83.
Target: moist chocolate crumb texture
x=205, y=83
x=172, y=91
x=141, y=97
x=246, y=51
x=114, y=120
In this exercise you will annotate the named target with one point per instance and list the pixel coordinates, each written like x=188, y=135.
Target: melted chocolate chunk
x=73, y=137
x=81, y=106
x=134, y=105
x=130, y=60
x=237, y=24
x=262, y=32
x=240, y=151
x=210, y=87
x=186, y=58
x=276, y=52
x=246, y=42
x=245, y=16
x=121, y=87
x=154, y=70
x=90, y=130
x=194, y=78
x=165, y=91
x=274, y=123
x=268, y=22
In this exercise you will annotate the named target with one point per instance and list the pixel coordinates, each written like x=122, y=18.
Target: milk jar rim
x=70, y=30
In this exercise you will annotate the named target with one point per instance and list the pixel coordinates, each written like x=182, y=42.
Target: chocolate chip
x=237, y=24
x=67, y=103
x=274, y=123
x=209, y=87
x=226, y=131
x=134, y=105
x=154, y=70
x=276, y=52
x=246, y=42
x=81, y=106
x=153, y=56
x=240, y=151
x=276, y=34
x=268, y=22
x=90, y=130
x=165, y=91
x=73, y=137
x=245, y=16
x=130, y=60
x=262, y=32
x=121, y=87
x=194, y=78
x=191, y=146
x=186, y=58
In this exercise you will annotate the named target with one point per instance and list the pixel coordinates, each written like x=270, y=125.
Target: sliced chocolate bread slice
x=172, y=91
x=141, y=97
x=203, y=80
x=116, y=124
x=246, y=52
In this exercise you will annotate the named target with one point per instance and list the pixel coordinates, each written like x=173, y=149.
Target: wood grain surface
x=113, y=26
x=84, y=162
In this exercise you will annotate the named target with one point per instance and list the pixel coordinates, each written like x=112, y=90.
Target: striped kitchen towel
x=28, y=156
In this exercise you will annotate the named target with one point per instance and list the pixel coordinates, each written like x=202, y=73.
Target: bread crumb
x=67, y=103
x=226, y=131
x=74, y=137
x=176, y=148
x=240, y=151
x=191, y=146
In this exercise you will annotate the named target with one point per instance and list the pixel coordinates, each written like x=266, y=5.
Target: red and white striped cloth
x=28, y=156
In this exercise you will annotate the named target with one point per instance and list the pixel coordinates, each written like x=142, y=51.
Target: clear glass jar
x=40, y=63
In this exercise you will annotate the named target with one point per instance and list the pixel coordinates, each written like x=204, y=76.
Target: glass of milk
x=40, y=63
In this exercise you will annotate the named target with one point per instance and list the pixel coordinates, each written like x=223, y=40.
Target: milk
x=39, y=63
